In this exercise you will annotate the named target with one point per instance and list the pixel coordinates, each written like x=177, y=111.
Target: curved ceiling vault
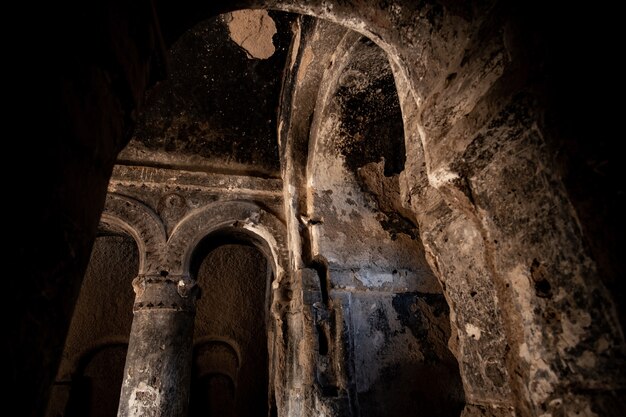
x=217, y=111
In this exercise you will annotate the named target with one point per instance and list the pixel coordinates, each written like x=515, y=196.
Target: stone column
x=157, y=374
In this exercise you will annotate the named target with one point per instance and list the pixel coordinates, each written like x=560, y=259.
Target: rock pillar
x=158, y=364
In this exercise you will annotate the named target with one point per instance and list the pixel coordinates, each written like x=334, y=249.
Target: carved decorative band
x=165, y=293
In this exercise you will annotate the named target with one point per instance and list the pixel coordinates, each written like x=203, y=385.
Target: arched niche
x=243, y=218
x=126, y=215
x=90, y=374
x=216, y=395
x=395, y=316
x=97, y=380
x=130, y=240
x=232, y=267
x=214, y=358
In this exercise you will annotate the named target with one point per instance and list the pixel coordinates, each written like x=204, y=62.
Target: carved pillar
x=158, y=364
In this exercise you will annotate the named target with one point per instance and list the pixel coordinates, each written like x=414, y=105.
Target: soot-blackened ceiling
x=217, y=110
x=371, y=119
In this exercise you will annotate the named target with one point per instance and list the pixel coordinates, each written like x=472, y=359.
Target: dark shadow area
x=95, y=389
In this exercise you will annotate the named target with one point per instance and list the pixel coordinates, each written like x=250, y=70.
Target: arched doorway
x=230, y=375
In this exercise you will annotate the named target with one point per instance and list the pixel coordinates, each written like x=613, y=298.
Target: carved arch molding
x=160, y=253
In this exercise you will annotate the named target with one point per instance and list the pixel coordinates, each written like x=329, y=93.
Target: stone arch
x=226, y=350
x=219, y=394
x=79, y=361
x=193, y=240
x=96, y=369
x=127, y=215
x=396, y=253
x=247, y=216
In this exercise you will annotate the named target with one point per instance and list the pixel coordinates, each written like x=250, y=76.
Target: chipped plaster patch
x=468, y=238
x=441, y=177
x=373, y=279
x=253, y=30
x=142, y=400
x=473, y=331
x=542, y=378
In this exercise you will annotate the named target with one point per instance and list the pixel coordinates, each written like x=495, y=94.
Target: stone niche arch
x=263, y=229
x=214, y=357
x=91, y=370
x=102, y=363
x=211, y=234
x=126, y=215
x=226, y=351
x=374, y=257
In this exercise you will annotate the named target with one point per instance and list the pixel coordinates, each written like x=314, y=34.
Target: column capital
x=157, y=292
